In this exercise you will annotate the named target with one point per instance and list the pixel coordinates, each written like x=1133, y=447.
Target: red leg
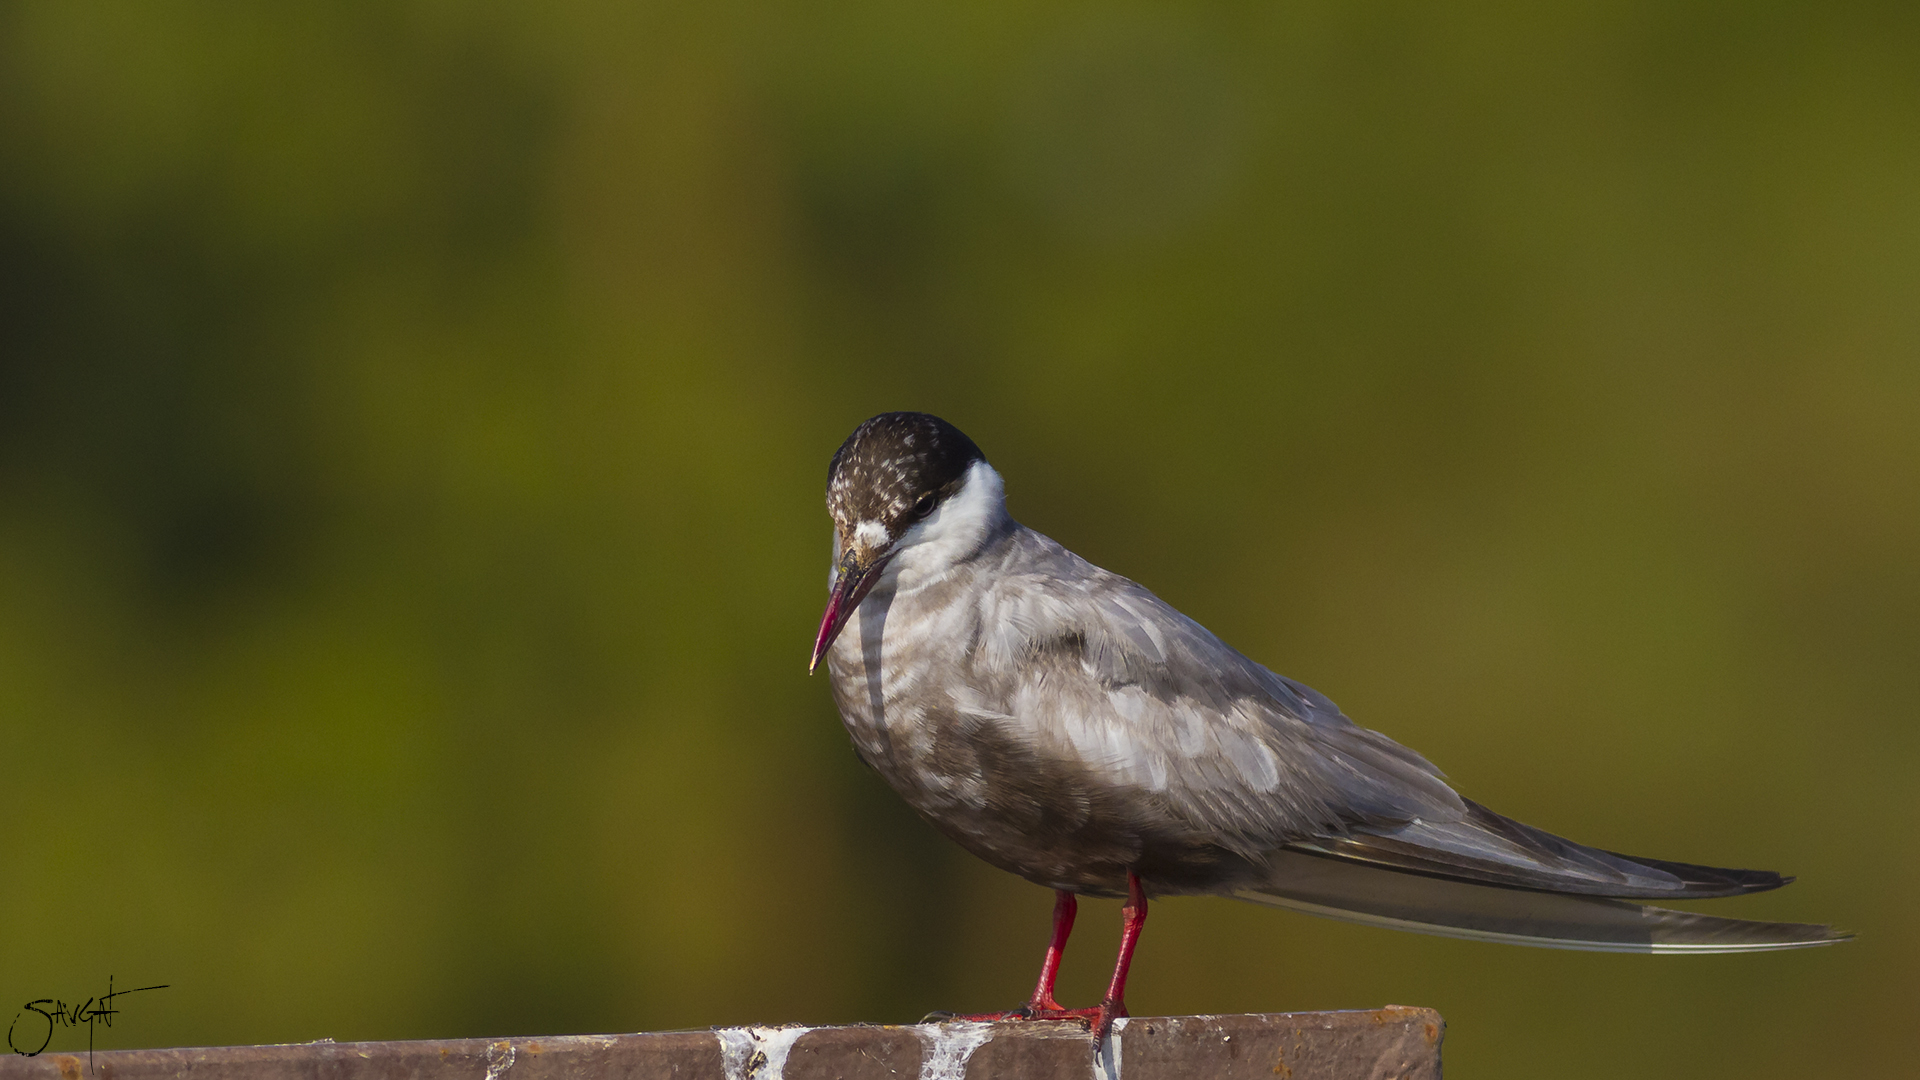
x=1043, y=1006
x=1133, y=916
x=1064, y=908
x=1100, y=1018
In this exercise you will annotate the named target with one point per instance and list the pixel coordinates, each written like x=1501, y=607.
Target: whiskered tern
x=1065, y=724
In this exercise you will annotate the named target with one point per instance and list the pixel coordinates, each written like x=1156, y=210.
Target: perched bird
x=1065, y=724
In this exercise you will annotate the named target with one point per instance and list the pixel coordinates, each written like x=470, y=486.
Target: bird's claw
x=1098, y=1020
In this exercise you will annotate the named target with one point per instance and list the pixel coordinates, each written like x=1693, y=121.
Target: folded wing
x=1485, y=848
x=1350, y=824
x=1355, y=892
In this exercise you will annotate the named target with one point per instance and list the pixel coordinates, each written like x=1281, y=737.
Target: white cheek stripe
x=954, y=531
x=870, y=534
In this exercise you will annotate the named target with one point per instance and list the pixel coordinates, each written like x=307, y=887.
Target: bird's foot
x=1108, y=1012
x=1042, y=1008
x=1099, y=1019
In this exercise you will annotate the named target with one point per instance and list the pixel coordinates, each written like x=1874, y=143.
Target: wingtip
x=1378, y=896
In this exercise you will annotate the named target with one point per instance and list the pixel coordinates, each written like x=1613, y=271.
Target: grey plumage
x=1065, y=724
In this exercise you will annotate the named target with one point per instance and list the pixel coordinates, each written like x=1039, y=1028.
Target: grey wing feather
x=1349, y=823
x=1106, y=672
x=1354, y=893
x=1486, y=848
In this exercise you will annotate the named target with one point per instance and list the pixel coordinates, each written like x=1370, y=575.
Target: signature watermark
x=53, y=1013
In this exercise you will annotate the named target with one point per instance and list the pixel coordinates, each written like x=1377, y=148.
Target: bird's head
x=888, y=487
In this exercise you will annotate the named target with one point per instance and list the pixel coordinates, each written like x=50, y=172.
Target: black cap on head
x=896, y=468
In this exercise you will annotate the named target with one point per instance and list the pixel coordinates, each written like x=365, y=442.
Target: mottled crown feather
x=891, y=463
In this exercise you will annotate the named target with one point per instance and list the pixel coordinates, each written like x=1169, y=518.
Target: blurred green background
x=413, y=430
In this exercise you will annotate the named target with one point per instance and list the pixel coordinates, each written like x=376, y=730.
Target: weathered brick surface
x=1384, y=1044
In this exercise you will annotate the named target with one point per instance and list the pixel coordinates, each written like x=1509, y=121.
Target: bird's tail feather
x=1356, y=893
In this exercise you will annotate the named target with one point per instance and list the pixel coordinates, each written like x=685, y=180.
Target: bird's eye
x=924, y=506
